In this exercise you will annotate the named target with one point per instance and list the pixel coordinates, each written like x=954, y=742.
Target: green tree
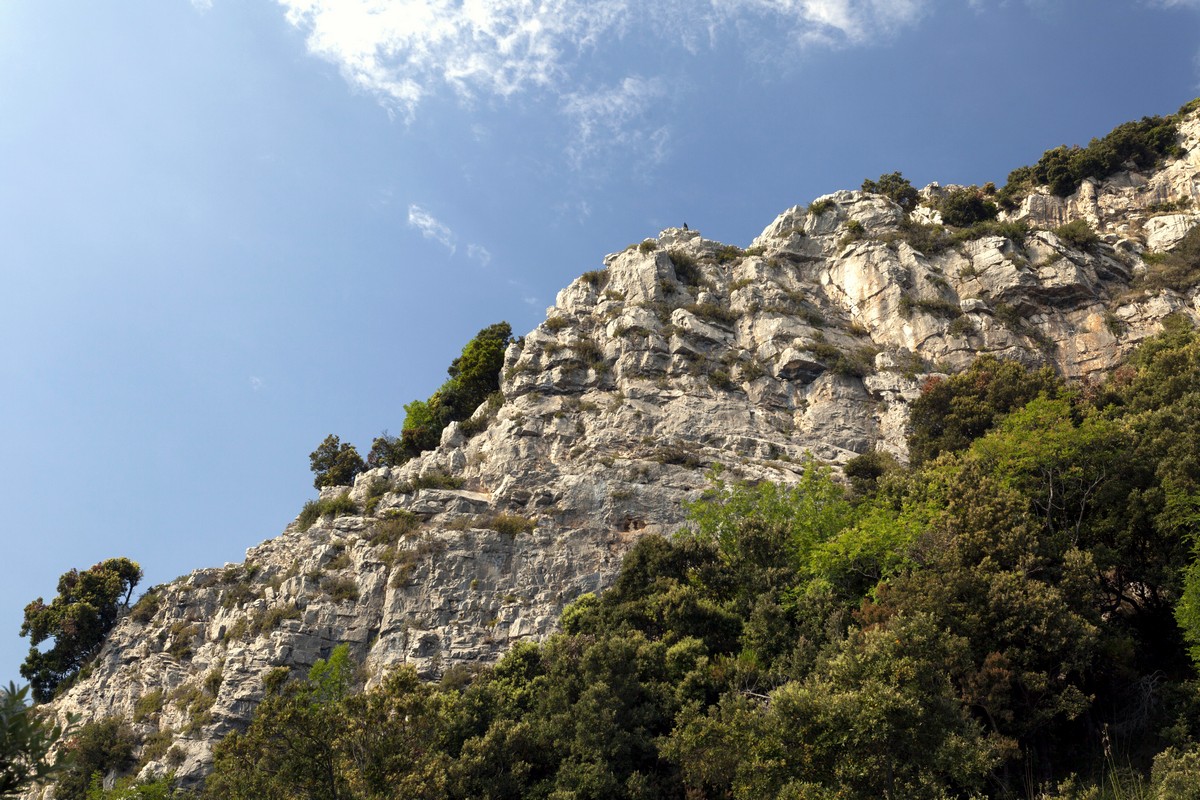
x=334, y=463
x=965, y=206
x=896, y=188
x=26, y=738
x=78, y=620
x=953, y=412
x=474, y=375
x=97, y=750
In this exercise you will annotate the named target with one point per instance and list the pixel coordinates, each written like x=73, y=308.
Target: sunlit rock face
x=681, y=353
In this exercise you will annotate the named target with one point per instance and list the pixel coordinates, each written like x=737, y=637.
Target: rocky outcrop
x=681, y=353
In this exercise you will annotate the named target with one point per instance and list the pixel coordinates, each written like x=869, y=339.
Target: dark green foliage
x=966, y=206
x=896, y=188
x=26, y=738
x=687, y=269
x=865, y=471
x=474, y=376
x=96, y=749
x=952, y=413
x=334, y=463
x=336, y=506
x=1141, y=145
x=818, y=207
x=998, y=623
x=78, y=619
x=1078, y=234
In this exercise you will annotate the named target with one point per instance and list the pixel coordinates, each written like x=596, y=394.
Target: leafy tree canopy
x=78, y=620
x=896, y=188
x=334, y=463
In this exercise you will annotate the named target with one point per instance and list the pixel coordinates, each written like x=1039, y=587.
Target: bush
x=1178, y=269
x=966, y=206
x=687, y=269
x=509, y=524
x=430, y=480
x=340, y=588
x=313, y=510
x=1078, y=234
x=818, y=207
x=97, y=749
x=1143, y=145
x=896, y=188
x=474, y=375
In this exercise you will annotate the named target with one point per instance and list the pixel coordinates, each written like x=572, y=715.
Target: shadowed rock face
x=683, y=352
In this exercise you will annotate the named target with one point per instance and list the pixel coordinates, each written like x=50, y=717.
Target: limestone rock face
x=683, y=352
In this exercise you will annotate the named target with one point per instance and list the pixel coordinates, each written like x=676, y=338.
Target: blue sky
x=229, y=228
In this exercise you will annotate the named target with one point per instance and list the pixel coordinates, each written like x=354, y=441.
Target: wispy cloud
x=403, y=51
x=256, y=383
x=430, y=227
x=479, y=253
x=202, y=5
x=616, y=117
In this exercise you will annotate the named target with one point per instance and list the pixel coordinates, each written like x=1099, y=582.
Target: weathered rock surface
x=681, y=353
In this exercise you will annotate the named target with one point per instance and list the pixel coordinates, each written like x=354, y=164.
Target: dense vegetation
x=1141, y=145
x=1010, y=617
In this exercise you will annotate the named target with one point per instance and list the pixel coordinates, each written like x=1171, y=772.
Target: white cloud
x=202, y=5
x=403, y=50
x=430, y=227
x=616, y=116
x=256, y=383
x=479, y=253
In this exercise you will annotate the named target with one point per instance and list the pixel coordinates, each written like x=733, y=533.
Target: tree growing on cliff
x=78, y=620
x=334, y=463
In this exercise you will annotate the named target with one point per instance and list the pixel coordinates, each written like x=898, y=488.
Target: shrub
x=474, y=375
x=340, y=588
x=713, y=312
x=966, y=206
x=1078, y=234
x=1143, y=144
x=728, y=252
x=687, y=269
x=268, y=619
x=596, y=278
x=397, y=524
x=719, y=379
x=98, y=747
x=509, y=524
x=818, y=207
x=896, y=188
x=148, y=705
x=338, y=506
x=146, y=607
x=334, y=463
x=555, y=323
x=376, y=489
x=1178, y=269
x=431, y=480
x=647, y=246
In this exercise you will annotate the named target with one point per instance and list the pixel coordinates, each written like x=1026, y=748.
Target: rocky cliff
x=681, y=353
